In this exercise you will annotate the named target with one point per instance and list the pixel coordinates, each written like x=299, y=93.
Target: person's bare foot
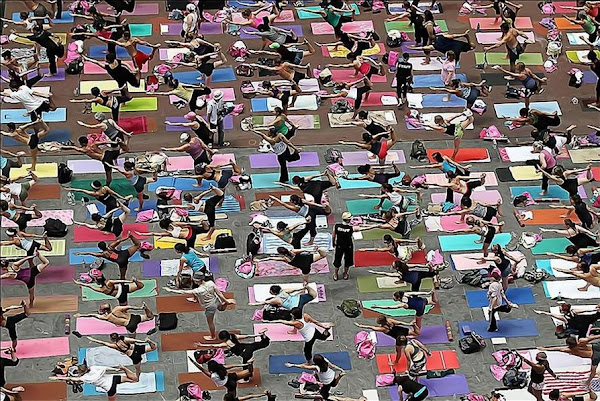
x=192, y=299
x=210, y=338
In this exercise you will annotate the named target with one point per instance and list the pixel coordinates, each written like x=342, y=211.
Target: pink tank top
x=195, y=149
x=550, y=160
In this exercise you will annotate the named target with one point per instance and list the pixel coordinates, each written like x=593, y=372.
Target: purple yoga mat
x=589, y=77
x=151, y=268
x=140, y=9
x=227, y=123
x=173, y=29
x=359, y=158
x=269, y=160
x=404, y=48
x=54, y=274
x=443, y=387
x=296, y=28
x=429, y=335
x=60, y=75
x=211, y=28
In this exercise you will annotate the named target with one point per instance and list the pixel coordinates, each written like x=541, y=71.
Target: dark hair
x=363, y=114
x=116, y=337
x=23, y=15
x=173, y=83
x=387, y=187
x=320, y=362
x=576, y=198
x=281, y=225
x=405, y=56
x=387, y=238
x=367, y=137
x=164, y=223
x=554, y=394
x=278, y=110
x=592, y=56
x=83, y=140
x=571, y=249
x=188, y=197
x=183, y=248
x=102, y=246
x=584, y=267
x=466, y=201
x=455, y=83
x=296, y=200
x=401, y=341
x=400, y=266
x=215, y=367
x=298, y=180
x=14, y=84
x=96, y=184
x=571, y=342
x=275, y=289
x=110, y=57
x=569, y=223
x=524, y=111
x=96, y=217
x=364, y=169
x=229, y=397
x=224, y=335
x=95, y=91
x=428, y=15
x=398, y=295
x=437, y=156
x=127, y=33
x=6, y=54
x=296, y=313
x=283, y=251
x=3, y=205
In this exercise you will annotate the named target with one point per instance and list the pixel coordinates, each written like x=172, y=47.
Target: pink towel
x=323, y=28
x=90, y=325
x=65, y=216
x=41, y=347
x=279, y=332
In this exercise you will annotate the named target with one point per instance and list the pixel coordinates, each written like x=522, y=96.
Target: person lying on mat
x=5, y=362
x=393, y=328
x=378, y=144
x=306, y=325
x=194, y=95
x=25, y=241
x=113, y=252
x=583, y=348
x=576, y=321
x=288, y=299
x=579, y=236
x=496, y=296
x=10, y=322
x=220, y=173
x=120, y=72
x=312, y=186
x=413, y=300
x=114, y=288
x=103, y=377
x=398, y=221
x=503, y=261
x=120, y=316
x=324, y=370
x=570, y=180
x=137, y=180
x=19, y=214
x=204, y=64
x=102, y=193
x=536, y=118
x=469, y=91
x=26, y=276
x=13, y=394
x=131, y=347
x=130, y=44
x=299, y=258
x=235, y=347
x=414, y=390
x=445, y=42
x=586, y=216
x=105, y=98
x=409, y=273
x=108, y=223
x=587, y=273
x=485, y=229
x=18, y=191
x=109, y=127
x=399, y=247
x=482, y=210
x=454, y=129
x=267, y=393
x=557, y=395
x=7, y=164
x=32, y=140
x=226, y=376
x=183, y=230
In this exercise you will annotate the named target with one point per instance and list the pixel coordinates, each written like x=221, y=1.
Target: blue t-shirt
x=192, y=259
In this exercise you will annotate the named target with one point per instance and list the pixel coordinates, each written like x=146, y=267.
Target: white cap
x=190, y=7
x=184, y=137
x=218, y=95
x=346, y=216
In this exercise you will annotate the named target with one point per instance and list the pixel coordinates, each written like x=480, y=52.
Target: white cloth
x=146, y=384
x=27, y=98
x=107, y=357
x=98, y=377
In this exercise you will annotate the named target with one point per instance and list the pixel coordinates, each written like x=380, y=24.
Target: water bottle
x=67, y=324
x=478, y=27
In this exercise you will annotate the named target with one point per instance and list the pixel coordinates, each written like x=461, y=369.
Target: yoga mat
x=360, y=157
x=497, y=79
x=271, y=242
x=177, y=163
x=465, y=155
x=42, y=170
x=141, y=8
x=407, y=27
x=506, y=328
x=148, y=383
x=136, y=104
x=490, y=38
x=54, y=274
x=179, y=303
x=446, y=223
x=342, y=52
x=304, y=102
x=466, y=242
x=564, y=24
x=90, y=325
x=260, y=292
x=185, y=341
x=58, y=249
x=16, y=116
x=576, y=38
x=269, y=160
x=302, y=121
x=490, y=178
x=266, y=180
x=548, y=265
x=348, y=74
x=375, y=99
x=579, y=56
x=556, y=245
x=374, y=258
x=303, y=14
x=494, y=24
x=184, y=184
x=469, y=261
x=47, y=304
x=498, y=58
x=519, y=296
x=99, y=51
x=94, y=69
x=278, y=332
x=366, y=206
x=80, y=259
x=439, y=360
x=105, y=356
x=277, y=269
x=149, y=290
x=85, y=87
x=525, y=173
x=66, y=216
x=53, y=136
x=169, y=267
x=85, y=234
x=429, y=80
x=511, y=110
x=399, y=312
x=169, y=242
x=225, y=74
x=41, y=347
x=429, y=335
x=446, y=386
x=207, y=384
x=65, y=17
x=554, y=191
x=297, y=29
x=486, y=196
x=277, y=362
x=323, y=28
x=523, y=153
x=140, y=29
x=437, y=100
x=582, y=155
x=40, y=391
x=569, y=289
x=44, y=191
x=356, y=184
x=417, y=64
x=119, y=185
x=548, y=217
x=377, y=234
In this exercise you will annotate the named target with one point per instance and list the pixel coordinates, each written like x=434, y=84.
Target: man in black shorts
x=404, y=78
x=10, y=322
x=120, y=316
x=344, y=244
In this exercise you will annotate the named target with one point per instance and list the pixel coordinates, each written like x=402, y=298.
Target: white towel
x=104, y=356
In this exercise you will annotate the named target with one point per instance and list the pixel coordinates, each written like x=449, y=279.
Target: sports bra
x=307, y=331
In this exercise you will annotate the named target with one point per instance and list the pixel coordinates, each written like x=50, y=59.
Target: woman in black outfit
x=103, y=194
x=131, y=347
x=414, y=390
x=244, y=350
x=310, y=185
x=54, y=49
x=106, y=98
x=586, y=216
x=538, y=369
x=299, y=258
x=197, y=124
x=119, y=72
x=579, y=236
x=225, y=375
x=568, y=179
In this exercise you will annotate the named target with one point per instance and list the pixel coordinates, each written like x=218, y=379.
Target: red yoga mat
x=56, y=391
x=138, y=125
x=439, y=360
x=85, y=234
x=464, y=154
x=347, y=74
x=374, y=258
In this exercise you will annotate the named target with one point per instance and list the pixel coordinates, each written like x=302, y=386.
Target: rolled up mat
x=58, y=249
x=180, y=304
x=20, y=116
x=149, y=290
x=429, y=335
x=41, y=391
x=374, y=258
x=207, y=384
x=105, y=356
x=323, y=28
x=360, y=157
x=469, y=261
x=519, y=296
x=90, y=325
x=490, y=178
x=407, y=27
x=278, y=332
x=304, y=14
x=47, y=304
x=65, y=18
x=439, y=360
x=53, y=136
x=446, y=386
x=266, y=180
x=277, y=362
x=55, y=274
x=85, y=87
x=465, y=155
x=44, y=191
x=466, y=242
x=148, y=382
x=141, y=8
x=489, y=38
x=506, y=328
x=66, y=216
x=185, y=341
x=41, y=347
x=99, y=51
x=511, y=110
x=493, y=24
x=548, y=217
x=140, y=29
x=556, y=245
x=269, y=160
x=80, y=259
x=342, y=52
x=398, y=312
x=563, y=24
x=42, y=170
x=94, y=69
x=347, y=74
x=429, y=80
x=554, y=191
x=119, y=185
x=498, y=58
x=135, y=104
x=85, y=234
x=569, y=289
x=581, y=155
x=169, y=243
x=497, y=79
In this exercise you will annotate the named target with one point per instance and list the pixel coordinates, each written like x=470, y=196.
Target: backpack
x=224, y=241
x=332, y=156
x=341, y=106
x=253, y=242
x=508, y=359
x=535, y=276
x=472, y=343
x=472, y=278
x=75, y=67
x=191, y=391
x=176, y=15
x=514, y=379
x=277, y=314
x=512, y=93
x=65, y=174
x=244, y=70
x=238, y=49
x=350, y=308
x=418, y=151
x=55, y=228
x=473, y=397
x=167, y=321
x=365, y=347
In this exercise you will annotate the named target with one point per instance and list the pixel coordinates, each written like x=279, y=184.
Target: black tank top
x=411, y=387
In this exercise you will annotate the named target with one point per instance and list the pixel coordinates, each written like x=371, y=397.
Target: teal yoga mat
x=17, y=116
x=366, y=206
x=302, y=14
x=141, y=29
x=357, y=184
x=554, y=191
x=466, y=242
x=149, y=290
x=265, y=180
x=511, y=110
x=556, y=245
x=391, y=312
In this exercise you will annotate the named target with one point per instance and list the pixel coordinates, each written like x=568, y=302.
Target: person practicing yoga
x=399, y=223
x=445, y=42
x=103, y=377
x=197, y=124
x=10, y=322
x=26, y=242
x=106, y=98
x=416, y=355
x=446, y=165
x=251, y=18
x=120, y=72
x=395, y=195
x=514, y=48
x=569, y=180
x=288, y=299
x=532, y=84
x=182, y=230
x=299, y=258
x=191, y=262
x=379, y=144
x=109, y=127
x=226, y=376
x=356, y=44
x=399, y=247
x=103, y=194
x=283, y=148
x=579, y=236
x=32, y=140
x=18, y=191
x=310, y=185
x=287, y=233
x=108, y=223
x=120, y=316
x=363, y=66
x=496, y=296
x=14, y=271
x=199, y=151
x=463, y=185
x=274, y=36
x=482, y=210
x=585, y=348
x=470, y=91
x=306, y=325
x=324, y=371
x=587, y=273
x=485, y=229
x=204, y=64
x=281, y=91
x=393, y=328
x=7, y=164
x=113, y=288
x=113, y=252
x=137, y=180
x=589, y=256
x=376, y=174
x=288, y=71
x=334, y=16
x=538, y=119
x=18, y=214
x=576, y=320
x=586, y=216
x=130, y=44
x=134, y=349
x=409, y=273
x=194, y=95
x=414, y=390
x=454, y=129
x=412, y=300
x=233, y=345
x=503, y=261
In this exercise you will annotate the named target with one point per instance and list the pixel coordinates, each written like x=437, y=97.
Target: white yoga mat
x=371, y=395
x=104, y=356
x=383, y=117
x=261, y=291
x=575, y=38
x=574, y=308
x=303, y=102
x=429, y=117
x=520, y=153
x=146, y=384
x=292, y=220
x=388, y=282
x=489, y=38
x=561, y=264
x=169, y=267
x=568, y=289
x=558, y=360
x=517, y=395
x=435, y=65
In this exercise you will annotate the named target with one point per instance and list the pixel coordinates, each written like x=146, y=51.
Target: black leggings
x=248, y=349
x=283, y=159
x=308, y=346
x=359, y=95
x=311, y=227
x=11, y=324
x=402, y=86
x=113, y=388
x=421, y=275
x=493, y=322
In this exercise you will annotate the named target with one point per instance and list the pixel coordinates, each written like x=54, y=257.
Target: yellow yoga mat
x=27, y=42
x=525, y=173
x=584, y=155
x=85, y=87
x=136, y=104
x=42, y=170
x=58, y=249
x=342, y=52
x=169, y=243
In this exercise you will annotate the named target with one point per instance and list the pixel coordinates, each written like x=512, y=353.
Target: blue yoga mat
x=99, y=51
x=80, y=259
x=357, y=184
x=58, y=135
x=184, y=184
x=429, y=80
x=266, y=180
x=151, y=356
x=90, y=389
x=242, y=4
x=219, y=75
x=302, y=14
x=554, y=191
x=437, y=100
x=297, y=29
x=65, y=18
x=511, y=110
x=466, y=242
x=16, y=116
x=544, y=265
x=277, y=362
x=506, y=328
x=520, y=296
x=259, y=105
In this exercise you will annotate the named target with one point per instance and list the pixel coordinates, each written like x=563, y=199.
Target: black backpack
x=224, y=241
x=65, y=174
x=277, y=314
x=167, y=321
x=253, y=243
x=512, y=93
x=341, y=106
x=75, y=67
x=418, y=151
x=472, y=343
x=513, y=378
x=55, y=228
x=472, y=278
x=350, y=308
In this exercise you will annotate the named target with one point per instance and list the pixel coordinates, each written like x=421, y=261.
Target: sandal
x=346, y=276
x=335, y=276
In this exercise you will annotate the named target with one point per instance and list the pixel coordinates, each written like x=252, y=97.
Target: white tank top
x=307, y=331
x=175, y=231
x=186, y=27
x=327, y=376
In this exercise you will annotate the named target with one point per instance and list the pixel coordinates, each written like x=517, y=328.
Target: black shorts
x=420, y=397
x=210, y=208
x=491, y=213
x=291, y=39
x=44, y=108
x=110, y=157
x=34, y=141
x=11, y=323
x=22, y=221
x=285, y=97
x=513, y=54
x=489, y=237
x=298, y=76
x=9, y=164
x=303, y=261
x=134, y=321
x=231, y=383
x=117, y=227
x=140, y=184
x=225, y=177
x=347, y=253
x=138, y=351
x=33, y=272
x=122, y=298
x=115, y=383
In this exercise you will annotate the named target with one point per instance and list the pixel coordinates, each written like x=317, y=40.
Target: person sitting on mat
x=576, y=321
x=183, y=230
x=288, y=299
x=399, y=247
x=413, y=300
x=226, y=376
x=131, y=347
x=454, y=129
x=204, y=64
x=101, y=376
x=469, y=91
x=18, y=191
x=311, y=186
x=588, y=273
x=496, y=295
x=569, y=180
x=27, y=276
x=586, y=348
x=25, y=241
x=579, y=236
x=299, y=258
x=485, y=229
x=530, y=81
x=324, y=370
x=393, y=328
x=32, y=140
x=108, y=223
x=10, y=322
x=445, y=42
x=409, y=273
x=121, y=317
x=113, y=288
x=106, y=98
x=378, y=144
x=482, y=210
x=137, y=180
x=536, y=118
x=130, y=44
x=102, y=193
x=233, y=345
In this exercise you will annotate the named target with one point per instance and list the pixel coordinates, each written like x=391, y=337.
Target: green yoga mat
x=140, y=29
x=303, y=14
x=366, y=206
x=498, y=58
x=391, y=312
x=357, y=184
x=136, y=104
x=11, y=251
x=573, y=57
x=377, y=234
x=149, y=290
x=404, y=26
x=120, y=186
x=466, y=242
x=556, y=245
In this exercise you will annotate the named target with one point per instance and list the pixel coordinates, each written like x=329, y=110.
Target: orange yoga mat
x=206, y=383
x=564, y=24
x=179, y=303
x=464, y=155
x=46, y=304
x=548, y=216
x=371, y=314
x=55, y=391
x=185, y=341
x=44, y=191
x=439, y=360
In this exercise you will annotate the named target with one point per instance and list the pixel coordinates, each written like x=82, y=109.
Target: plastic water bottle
x=67, y=324
x=478, y=27
x=449, y=330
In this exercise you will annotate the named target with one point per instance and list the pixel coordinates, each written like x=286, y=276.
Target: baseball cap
x=346, y=216
x=184, y=137
x=218, y=94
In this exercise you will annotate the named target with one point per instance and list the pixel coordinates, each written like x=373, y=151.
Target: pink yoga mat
x=41, y=347
x=53, y=274
x=90, y=325
x=64, y=215
x=360, y=157
x=139, y=9
x=373, y=100
x=91, y=68
x=85, y=234
x=323, y=28
x=449, y=223
x=489, y=38
x=187, y=163
x=487, y=196
x=302, y=121
x=347, y=74
x=278, y=332
x=320, y=291
x=490, y=178
x=491, y=24
x=558, y=5
x=284, y=16
x=467, y=261
x=275, y=268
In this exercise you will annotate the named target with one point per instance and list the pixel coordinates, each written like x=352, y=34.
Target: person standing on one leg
x=496, y=295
